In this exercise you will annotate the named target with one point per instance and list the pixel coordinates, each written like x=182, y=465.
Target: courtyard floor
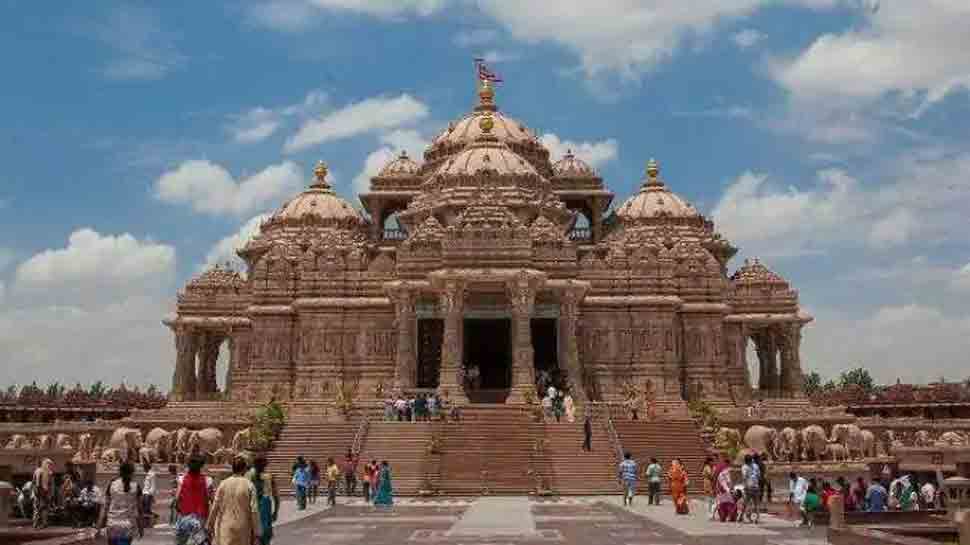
x=518, y=521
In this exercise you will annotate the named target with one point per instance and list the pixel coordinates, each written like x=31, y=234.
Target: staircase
x=488, y=452
x=665, y=441
x=405, y=447
x=571, y=470
x=312, y=440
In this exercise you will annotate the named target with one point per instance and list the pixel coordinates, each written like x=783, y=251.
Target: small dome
x=571, y=166
x=754, y=272
x=216, y=278
x=317, y=203
x=654, y=200
x=400, y=166
x=487, y=153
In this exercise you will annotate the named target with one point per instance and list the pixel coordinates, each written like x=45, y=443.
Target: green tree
x=859, y=377
x=97, y=390
x=812, y=383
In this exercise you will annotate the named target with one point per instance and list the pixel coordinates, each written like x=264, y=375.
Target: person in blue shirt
x=628, y=476
x=301, y=480
x=876, y=497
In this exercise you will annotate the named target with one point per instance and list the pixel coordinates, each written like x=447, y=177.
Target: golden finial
x=486, y=123
x=486, y=95
x=653, y=171
x=320, y=174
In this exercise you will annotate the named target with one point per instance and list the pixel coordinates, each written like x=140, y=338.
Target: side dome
x=401, y=166
x=655, y=200
x=754, y=273
x=318, y=204
x=571, y=166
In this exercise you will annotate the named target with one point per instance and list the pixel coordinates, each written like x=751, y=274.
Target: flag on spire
x=484, y=74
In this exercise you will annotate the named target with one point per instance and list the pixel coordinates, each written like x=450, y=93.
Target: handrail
x=611, y=431
x=360, y=436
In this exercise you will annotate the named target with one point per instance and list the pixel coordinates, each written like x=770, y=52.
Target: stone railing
x=394, y=235
x=580, y=234
x=360, y=436
x=611, y=430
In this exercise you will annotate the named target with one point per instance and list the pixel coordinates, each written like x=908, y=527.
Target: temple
x=488, y=254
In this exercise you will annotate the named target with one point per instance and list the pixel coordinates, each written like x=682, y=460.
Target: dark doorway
x=488, y=345
x=430, y=333
x=545, y=346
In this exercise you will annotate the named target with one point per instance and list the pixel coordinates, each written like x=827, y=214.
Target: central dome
x=459, y=134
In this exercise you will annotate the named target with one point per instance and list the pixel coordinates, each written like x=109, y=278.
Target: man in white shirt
x=797, y=488
x=928, y=492
x=148, y=489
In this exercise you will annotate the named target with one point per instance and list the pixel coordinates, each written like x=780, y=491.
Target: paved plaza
x=519, y=521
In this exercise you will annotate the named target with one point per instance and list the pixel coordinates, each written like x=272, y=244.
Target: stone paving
x=519, y=521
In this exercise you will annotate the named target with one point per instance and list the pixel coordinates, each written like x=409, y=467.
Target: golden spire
x=486, y=95
x=320, y=175
x=653, y=173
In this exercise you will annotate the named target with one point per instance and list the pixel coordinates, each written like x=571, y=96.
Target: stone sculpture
x=813, y=442
x=127, y=441
x=761, y=439
x=836, y=452
x=727, y=439
x=19, y=441
x=922, y=438
x=241, y=440
x=952, y=439
x=850, y=437
x=786, y=445
x=160, y=441
x=205, y=442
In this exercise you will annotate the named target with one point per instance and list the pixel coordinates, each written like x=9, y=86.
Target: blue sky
x=140, y=141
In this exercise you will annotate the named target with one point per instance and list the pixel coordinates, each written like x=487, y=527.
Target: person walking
x=174, y=480
x=587, y=431
x=876, y=497
x=333, y=478
x=751, y=477
x=628, y=477
x=678, y=487
x=797, y=488
x=267, y=498
x=385, y=489
x=121, y=515
x=301, y=484
x=810, y=505
x=235, y=512
x=149, y=488
x=43, y=490
x=727, y=507
x=655, y=473
x=366, y=476
x=350, y=472
x=707, y=476
x=192, y=503
x=313, y=490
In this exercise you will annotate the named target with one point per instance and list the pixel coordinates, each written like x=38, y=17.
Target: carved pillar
x=405, y=368
x=233, y=359
x=791, y=365
x=183, y=381
x=522, y=297
x=768, y=362
x=568, y=317
x=452, y=300
x=596, y=222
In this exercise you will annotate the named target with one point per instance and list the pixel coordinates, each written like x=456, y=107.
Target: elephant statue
x=241, y=440
x=952, y=439
x=127, y=441
x=761, y=439
x=786, y=445
x=813, y=442
x=892, y=441
x=836, y=452
x=45, y=442
x=727, y=439
x=19, y=441
x=161, y=442
x=868, y=444
x=922, y=439
x=181, y=446
x=111, y=456
x=206, y=441
x=147, y=455
x=850, y=437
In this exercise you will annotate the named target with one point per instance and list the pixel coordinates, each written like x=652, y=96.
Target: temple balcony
x=580, y=234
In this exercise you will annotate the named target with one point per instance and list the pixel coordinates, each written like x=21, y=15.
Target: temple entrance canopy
x=488, y=347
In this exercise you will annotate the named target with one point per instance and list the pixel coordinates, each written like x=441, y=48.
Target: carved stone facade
x=487, y=232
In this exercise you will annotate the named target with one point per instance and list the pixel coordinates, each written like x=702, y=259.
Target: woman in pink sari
x=726, y=507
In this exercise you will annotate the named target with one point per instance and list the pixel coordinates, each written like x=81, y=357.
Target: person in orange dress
x=678, y=487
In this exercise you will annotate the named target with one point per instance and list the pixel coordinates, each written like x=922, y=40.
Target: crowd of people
x=421, y=407
x=376, y=486
x=67, y=497
x=676, y=477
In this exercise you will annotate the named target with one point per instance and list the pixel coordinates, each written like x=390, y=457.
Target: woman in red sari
x=678, y=487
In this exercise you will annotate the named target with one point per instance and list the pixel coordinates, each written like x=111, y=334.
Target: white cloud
x=298, y=15
x=259, y=123
x=917, y=49
x=90, y=311
x=961, y=280
x=475, y=37
x=143, y=49
x=210, y=188
x=225, y=250
x=393, y=143
x=377, y=113
x=747, y=38
x=119, y=263
x=596, y=154
x=924, y=202
x=914, y=342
